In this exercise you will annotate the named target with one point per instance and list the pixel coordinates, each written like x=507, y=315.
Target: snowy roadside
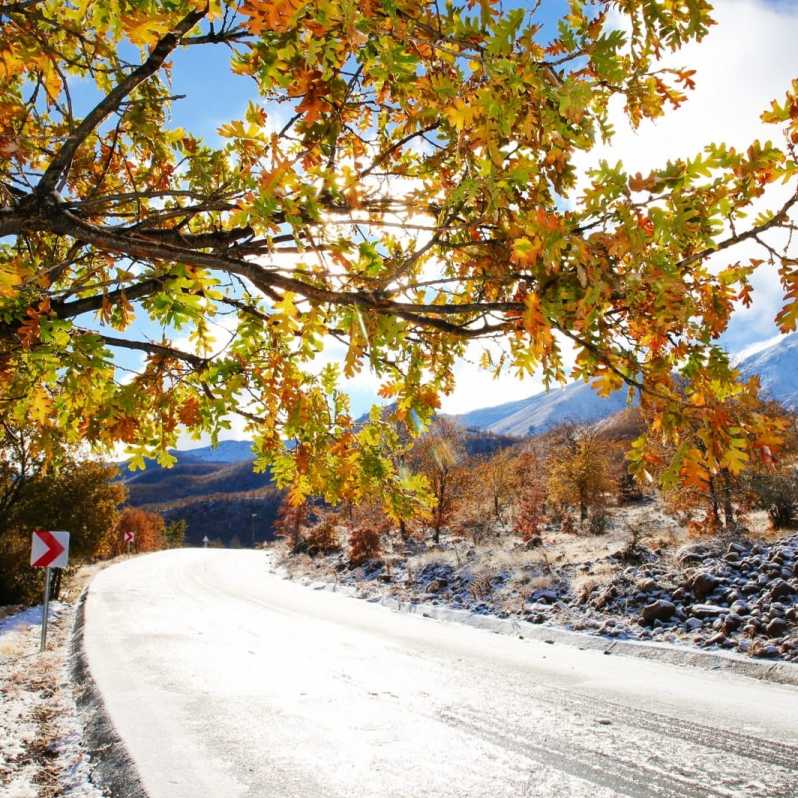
x=42, y=754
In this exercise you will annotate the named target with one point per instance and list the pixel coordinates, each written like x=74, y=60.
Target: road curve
x=225, y=681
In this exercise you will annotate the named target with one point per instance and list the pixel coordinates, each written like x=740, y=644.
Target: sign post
x=205, y=542
x=48, y=550
x=130, y=537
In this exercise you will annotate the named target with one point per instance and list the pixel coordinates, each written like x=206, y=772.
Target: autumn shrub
x=80, y=497
x=530, y=512
x=289, y=522
x=148, y=531
x=581, y=470
x=322, y=537
x=568, y=524
x=365, y=543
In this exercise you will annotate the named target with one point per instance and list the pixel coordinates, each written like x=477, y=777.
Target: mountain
x=227, y=501
x=576, y=402
x=225, y=452
x=776, y=366
x=777, y=369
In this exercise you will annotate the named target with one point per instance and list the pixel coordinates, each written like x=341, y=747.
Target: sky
x=747, y=60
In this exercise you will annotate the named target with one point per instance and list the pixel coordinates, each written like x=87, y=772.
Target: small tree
x=365, y=543
x=439, y=455
x=289, y=521
x=175, y=534
x=499, y=477
x=148, y=530
x=530, y=512
x=580, y=470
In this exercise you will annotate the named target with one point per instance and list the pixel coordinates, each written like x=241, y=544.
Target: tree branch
x=59, y=166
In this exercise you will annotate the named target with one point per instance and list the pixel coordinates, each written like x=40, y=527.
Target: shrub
x=288, y=524
x=364, y=544
x=568, y=525
x=530, y=512
x=599, y=522
x=322, y=538
x=778, y=495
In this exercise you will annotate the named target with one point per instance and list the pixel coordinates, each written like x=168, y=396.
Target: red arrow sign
x=49, y=549
x=130, y=536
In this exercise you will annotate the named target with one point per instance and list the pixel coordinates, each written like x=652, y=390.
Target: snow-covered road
x=225, y=681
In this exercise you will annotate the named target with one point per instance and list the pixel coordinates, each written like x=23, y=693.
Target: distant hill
x=777, y=369
x=227, y=501
x=225, y=452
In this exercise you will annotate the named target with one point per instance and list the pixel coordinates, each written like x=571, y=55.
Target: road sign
x=205, y=542
x=49, y=549
x=130, y=536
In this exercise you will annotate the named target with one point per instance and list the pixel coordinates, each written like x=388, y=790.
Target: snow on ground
x=41, y=754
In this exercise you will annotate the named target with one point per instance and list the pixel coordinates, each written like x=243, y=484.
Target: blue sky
x=748, y=59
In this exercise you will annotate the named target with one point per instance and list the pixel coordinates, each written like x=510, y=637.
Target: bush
x=778, y=495
x=322, y=538
x=599, y=522
x=364, y=544
x=530, y=513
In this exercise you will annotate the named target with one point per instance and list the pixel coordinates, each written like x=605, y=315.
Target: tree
x=580, y=470
x=175, y=534
x=80, y=496
x=499, y=475
x=148, y=530
x=702, y=473
x=439, y=456
x=396, y=183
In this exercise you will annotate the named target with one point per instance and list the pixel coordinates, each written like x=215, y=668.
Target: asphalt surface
x=224, y=680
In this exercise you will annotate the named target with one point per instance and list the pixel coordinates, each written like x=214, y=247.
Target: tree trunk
x=713, y=496
x=728, y=507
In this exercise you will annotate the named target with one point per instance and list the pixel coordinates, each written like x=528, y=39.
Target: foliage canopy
x=403, y=182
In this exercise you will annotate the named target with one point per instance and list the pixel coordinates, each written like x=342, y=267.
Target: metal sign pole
x=45, y=609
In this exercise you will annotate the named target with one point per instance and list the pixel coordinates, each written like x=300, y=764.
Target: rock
x=781, y=589
x=717, y=640
x=646, y=585
x=707, y=610
x=691, y=624
x=603, y=598
x=777, y=627
x=693, y=553
x=731, y=622
x=703, y=584
x=760, y=649
x=736, y=548
x=657, y=611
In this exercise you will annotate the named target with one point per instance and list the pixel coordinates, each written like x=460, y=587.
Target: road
x=226, y=681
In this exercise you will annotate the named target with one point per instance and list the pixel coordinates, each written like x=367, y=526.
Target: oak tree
x=402, y=181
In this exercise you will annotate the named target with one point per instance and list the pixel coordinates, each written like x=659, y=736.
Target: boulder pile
x=743, y=598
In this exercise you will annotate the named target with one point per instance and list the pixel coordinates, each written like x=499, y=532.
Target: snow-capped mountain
x=777, y=368
x=576, y=402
